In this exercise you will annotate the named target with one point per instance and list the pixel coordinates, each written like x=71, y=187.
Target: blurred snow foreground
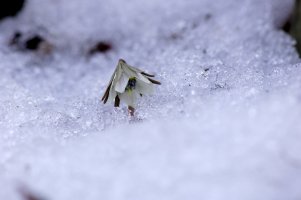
x=224, y=124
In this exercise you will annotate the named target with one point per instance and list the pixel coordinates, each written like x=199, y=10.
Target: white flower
x=127, y=83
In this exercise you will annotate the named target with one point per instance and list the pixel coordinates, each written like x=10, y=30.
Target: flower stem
x=131, y=110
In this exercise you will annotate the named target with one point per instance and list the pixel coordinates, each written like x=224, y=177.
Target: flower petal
x=121, y=83
x=112, y=94
x=117, y=75
x=128, y=71
x=144, y=88
x=146, y=74
x=116, y=101
x=137, y=74
x=154, y=81
x=143, y=78
x=106, y=94
x=129, y=98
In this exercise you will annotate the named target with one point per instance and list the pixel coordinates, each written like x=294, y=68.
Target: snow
x=224, y=124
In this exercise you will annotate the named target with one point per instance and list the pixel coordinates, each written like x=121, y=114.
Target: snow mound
x=224, y=124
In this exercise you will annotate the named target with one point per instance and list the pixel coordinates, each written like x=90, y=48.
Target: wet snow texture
x=225, y=124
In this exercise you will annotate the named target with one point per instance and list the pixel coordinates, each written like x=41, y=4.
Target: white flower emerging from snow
x=127, y=84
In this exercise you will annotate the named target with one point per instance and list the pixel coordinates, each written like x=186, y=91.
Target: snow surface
x=224, y=124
